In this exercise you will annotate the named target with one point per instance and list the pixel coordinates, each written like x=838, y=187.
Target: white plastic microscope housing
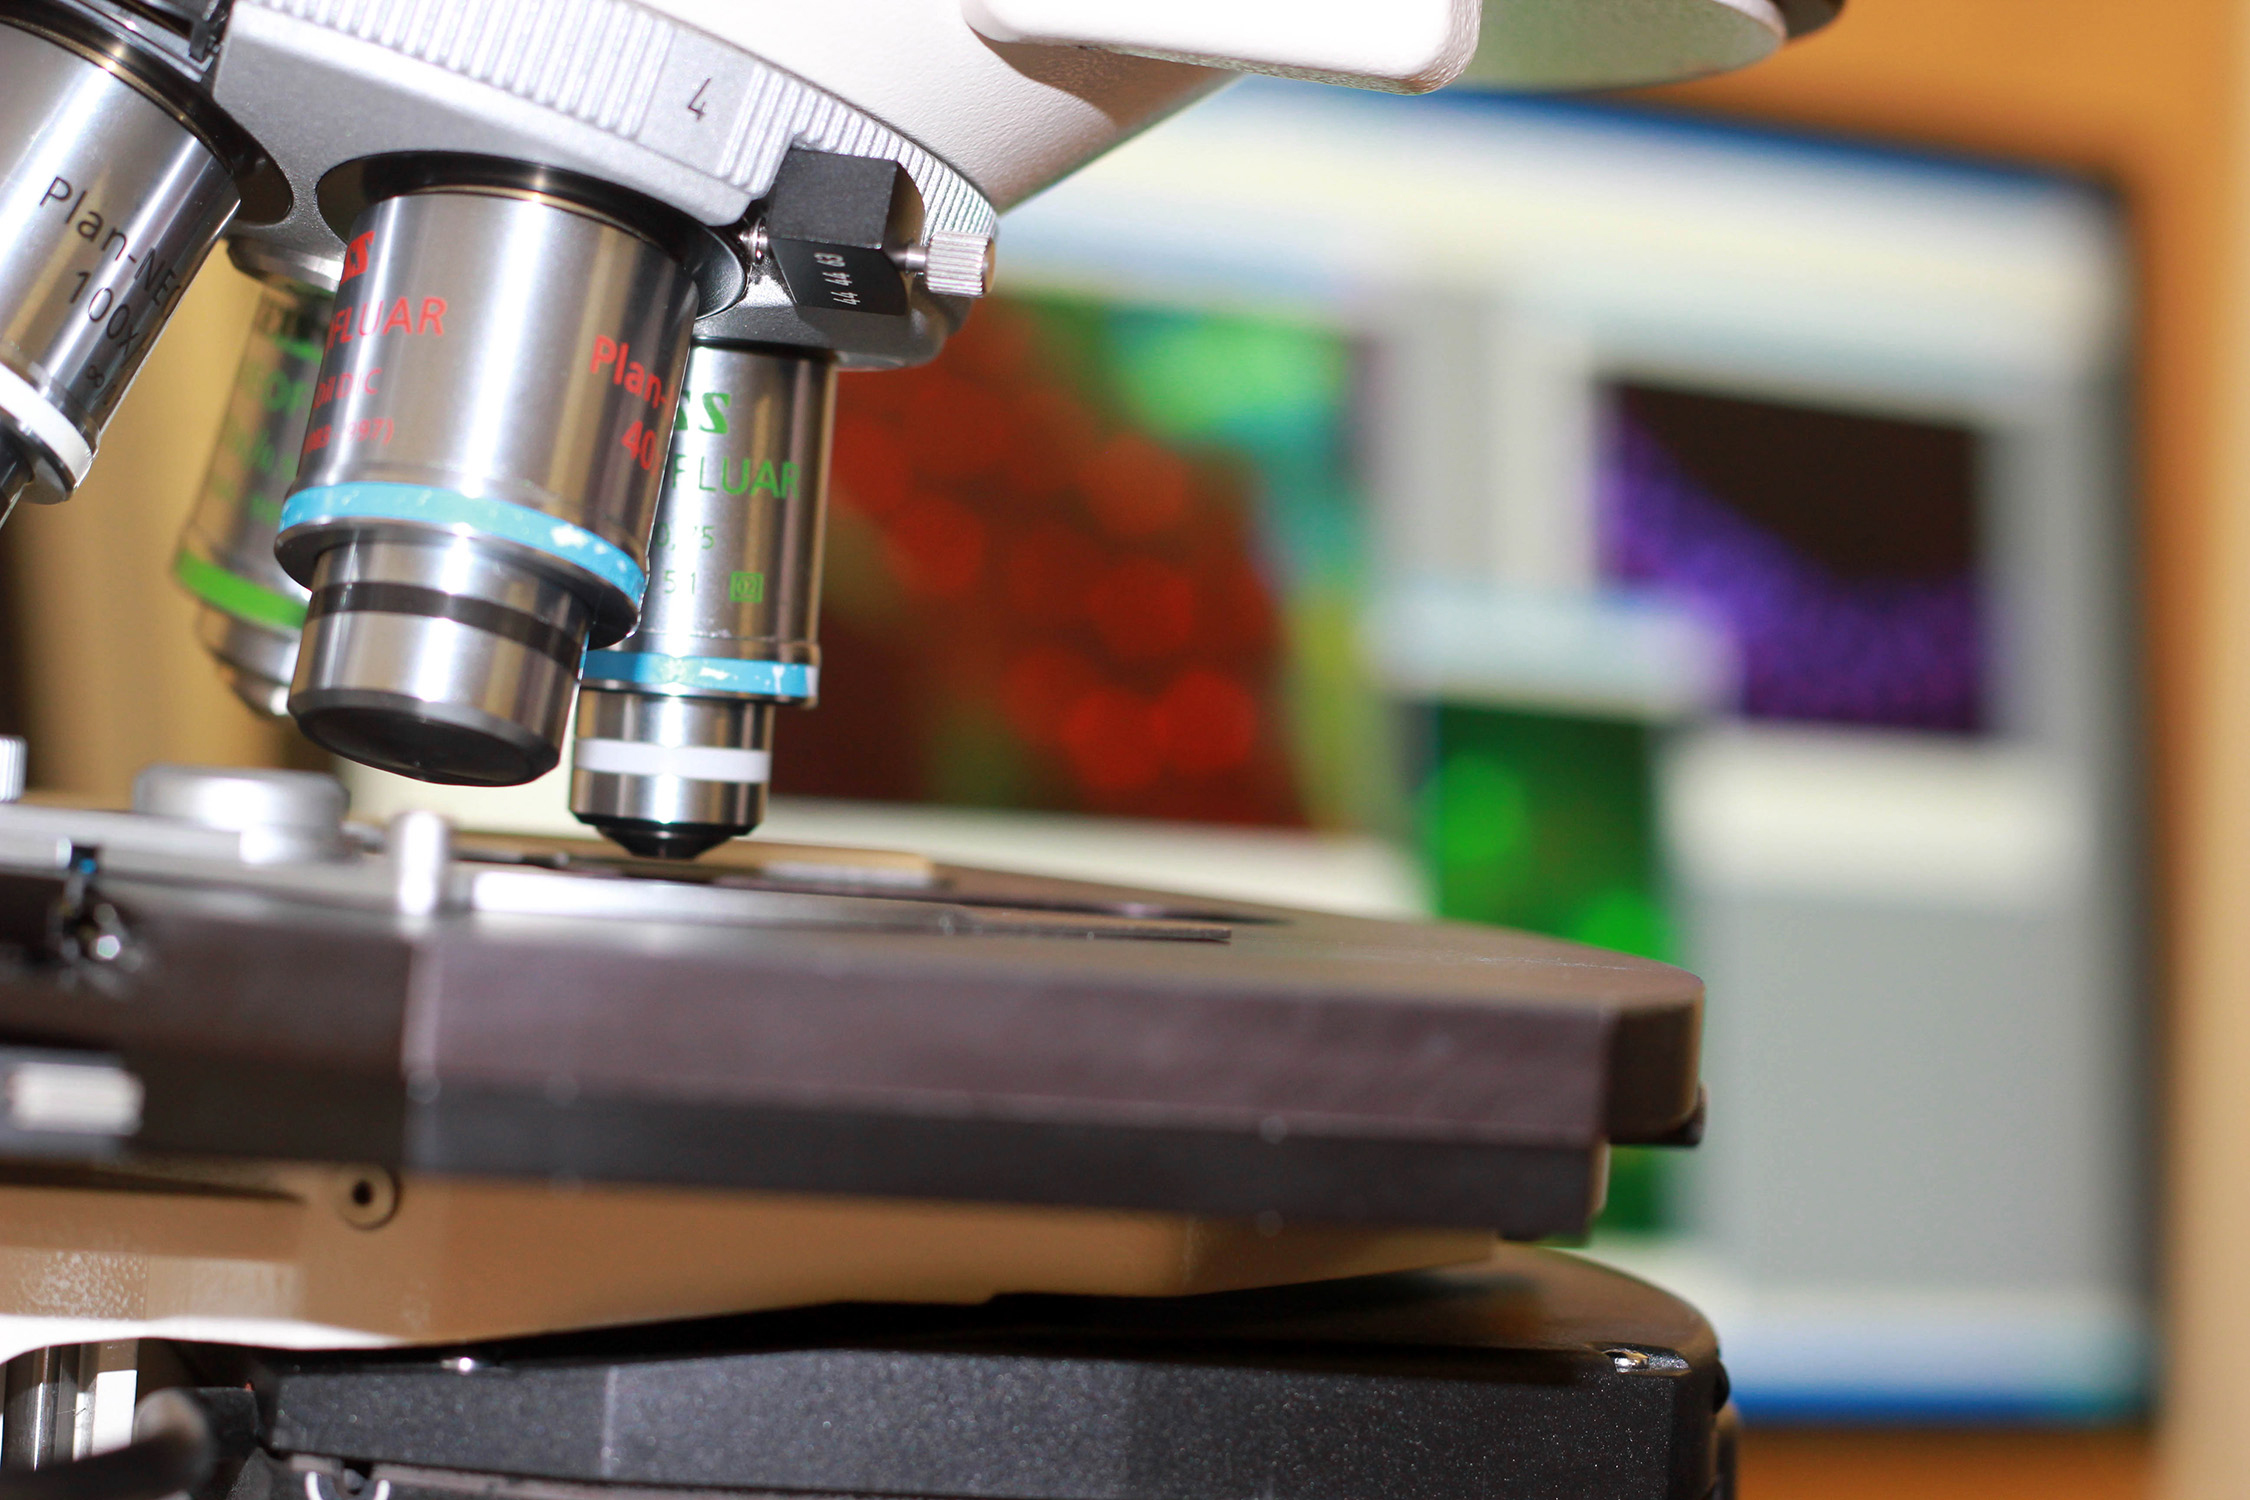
x=984, y=102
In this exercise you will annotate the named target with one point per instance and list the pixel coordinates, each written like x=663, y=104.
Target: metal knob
x=283, y=816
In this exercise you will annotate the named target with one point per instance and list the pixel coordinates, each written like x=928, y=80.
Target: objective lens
x=111, y=193
x=675, y=723
x=479, y=473
x=252, y=610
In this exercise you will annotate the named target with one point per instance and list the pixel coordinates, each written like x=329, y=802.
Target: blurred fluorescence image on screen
x=1837, y=552
x=1101, y=558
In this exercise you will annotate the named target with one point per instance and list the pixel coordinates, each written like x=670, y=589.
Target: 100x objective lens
x=113, y=188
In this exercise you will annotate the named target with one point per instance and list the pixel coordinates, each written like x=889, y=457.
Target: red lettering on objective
x=627, y=371
x=373, y=319
x=366, y=430
x=344, y=383
x=355, y=257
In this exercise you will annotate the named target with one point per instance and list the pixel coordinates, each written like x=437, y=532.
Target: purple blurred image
x=1900, y=651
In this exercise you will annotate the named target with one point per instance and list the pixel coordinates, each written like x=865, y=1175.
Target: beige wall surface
x=113, y=675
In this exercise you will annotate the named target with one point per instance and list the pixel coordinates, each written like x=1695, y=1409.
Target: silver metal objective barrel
x=480, y=469
x=251, y=610
x=675, y=723
x=115, y=181
x=38, y=1412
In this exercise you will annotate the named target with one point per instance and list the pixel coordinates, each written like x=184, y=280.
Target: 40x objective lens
x=675, y=723
x=112, y=191
x=479, y=472
x=251, y=610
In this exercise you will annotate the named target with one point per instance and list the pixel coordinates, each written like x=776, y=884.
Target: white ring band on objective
x=38, y=420
x=695, y=762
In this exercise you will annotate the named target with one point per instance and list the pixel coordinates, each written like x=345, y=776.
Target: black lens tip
x=651, y=840
x=425, y=747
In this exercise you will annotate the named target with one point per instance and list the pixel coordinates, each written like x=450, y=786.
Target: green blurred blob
x=1191, y=377
x=1639, y=1192
x=1547, y=822
x=1629, y=921
x=1484, y=813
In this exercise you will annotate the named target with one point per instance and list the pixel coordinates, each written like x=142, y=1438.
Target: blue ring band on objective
x=369, y=500
x=718, y=674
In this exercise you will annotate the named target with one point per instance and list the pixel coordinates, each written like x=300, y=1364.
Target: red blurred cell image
x=1039, y=597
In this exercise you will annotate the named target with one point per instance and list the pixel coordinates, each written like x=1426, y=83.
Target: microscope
x=373, y=1162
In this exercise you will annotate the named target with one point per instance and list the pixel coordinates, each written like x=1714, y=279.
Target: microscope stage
x=570, y=1016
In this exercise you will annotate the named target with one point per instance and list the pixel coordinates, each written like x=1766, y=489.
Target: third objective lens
x=251, y=610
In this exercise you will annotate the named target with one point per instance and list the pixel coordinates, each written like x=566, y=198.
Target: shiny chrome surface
x=15, y=478
x=108, y=204
x=734, y=556
x=438, y=657
x=252, y=610
x=254, y=661
x=38, y=1411
x=497, y=362
x=283, y=816
x=271, y=262
x=420, y=870
x=629, y=781
x=502, y=345
x=734, y=578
